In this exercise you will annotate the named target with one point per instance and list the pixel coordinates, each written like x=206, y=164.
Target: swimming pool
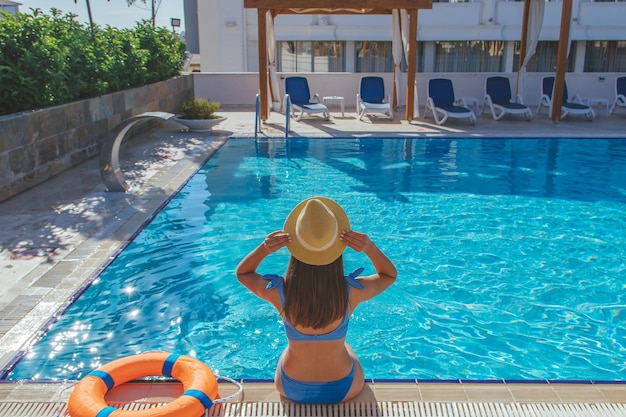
x=510, y=258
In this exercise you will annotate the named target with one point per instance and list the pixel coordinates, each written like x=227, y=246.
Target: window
x=544, y=58
x=377, y=56
x=605, y=56
x=373, y=56
x=305, y=56
x=469, y=56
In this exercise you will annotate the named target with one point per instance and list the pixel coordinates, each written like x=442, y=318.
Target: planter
x=199, y=125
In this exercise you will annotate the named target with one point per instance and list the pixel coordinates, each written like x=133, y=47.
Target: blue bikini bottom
x=331, y=392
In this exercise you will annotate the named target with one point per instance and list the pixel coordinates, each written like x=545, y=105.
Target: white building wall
x=240, y=89
x=222, y=35
x=603, y=21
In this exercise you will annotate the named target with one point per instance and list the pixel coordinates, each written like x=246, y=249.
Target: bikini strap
x=276, y=281
x=351, y=278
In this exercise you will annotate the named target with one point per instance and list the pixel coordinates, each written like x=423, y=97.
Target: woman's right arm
x=246, y=270
x=385, y=270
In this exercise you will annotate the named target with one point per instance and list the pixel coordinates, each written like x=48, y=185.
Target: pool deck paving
x=58, y=235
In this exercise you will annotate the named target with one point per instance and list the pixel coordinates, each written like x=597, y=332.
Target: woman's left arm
x=246, y=270
x=385, y=269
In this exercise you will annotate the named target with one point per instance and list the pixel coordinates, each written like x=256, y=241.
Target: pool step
x=356, y=409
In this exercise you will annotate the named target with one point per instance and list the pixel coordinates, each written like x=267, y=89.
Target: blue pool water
x=511, y=259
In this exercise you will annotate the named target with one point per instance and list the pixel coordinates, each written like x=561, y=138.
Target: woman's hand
x=385, y=270
x=276, y=240
x=246, y=270
x=358, y=242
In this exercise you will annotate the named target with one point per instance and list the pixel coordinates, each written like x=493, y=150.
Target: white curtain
x=397, y=50
x=535, y=22
x=271, y=57
x=404, y=26
x=569, y=37
x=400, y=47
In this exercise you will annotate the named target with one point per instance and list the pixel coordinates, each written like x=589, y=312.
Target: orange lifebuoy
x=199, y=385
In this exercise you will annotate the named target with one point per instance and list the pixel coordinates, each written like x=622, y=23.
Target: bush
x=53, y=59
x=199, y=108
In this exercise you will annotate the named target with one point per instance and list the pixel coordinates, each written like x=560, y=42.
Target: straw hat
x=315, y=225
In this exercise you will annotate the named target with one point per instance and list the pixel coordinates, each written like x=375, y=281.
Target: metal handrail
x=257, y=117
x=287, y=115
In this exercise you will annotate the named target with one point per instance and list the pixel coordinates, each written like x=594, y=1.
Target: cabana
x=402, y=11
x=404, y=14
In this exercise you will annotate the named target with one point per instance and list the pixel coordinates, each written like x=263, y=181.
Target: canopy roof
x=330, y=6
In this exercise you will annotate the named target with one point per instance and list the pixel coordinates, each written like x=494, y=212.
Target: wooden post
x=561, y=61
x=410, y=79
x=261, y=13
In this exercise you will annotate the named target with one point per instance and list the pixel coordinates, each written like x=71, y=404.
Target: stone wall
x=37, y=145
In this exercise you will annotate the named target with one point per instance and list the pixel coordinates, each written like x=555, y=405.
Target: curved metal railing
x=110, y=153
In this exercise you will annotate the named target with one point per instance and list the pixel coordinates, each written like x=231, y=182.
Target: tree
x=91, y=25
x=155, y=7
x=155, y=4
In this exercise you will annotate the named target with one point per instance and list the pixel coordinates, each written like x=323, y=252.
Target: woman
x=316, y=300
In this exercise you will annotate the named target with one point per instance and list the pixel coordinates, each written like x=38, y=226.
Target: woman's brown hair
x=315, y=295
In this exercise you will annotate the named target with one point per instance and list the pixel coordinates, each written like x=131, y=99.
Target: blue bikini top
x=293, y=334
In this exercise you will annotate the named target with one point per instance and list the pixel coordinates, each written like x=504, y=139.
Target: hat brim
x=326, y=256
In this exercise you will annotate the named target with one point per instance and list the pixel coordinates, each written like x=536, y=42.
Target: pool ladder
x=257, y=116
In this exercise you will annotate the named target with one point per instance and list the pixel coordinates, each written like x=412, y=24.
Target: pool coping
x=261, y=392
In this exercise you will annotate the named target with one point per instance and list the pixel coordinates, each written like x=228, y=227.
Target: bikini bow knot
x=274, y=281
x=351, y=278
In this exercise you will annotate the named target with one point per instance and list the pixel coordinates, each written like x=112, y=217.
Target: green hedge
x=47, y=60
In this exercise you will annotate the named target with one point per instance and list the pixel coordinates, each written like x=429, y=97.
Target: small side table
x=341, y=100
x=597, y=101
x=469, y=101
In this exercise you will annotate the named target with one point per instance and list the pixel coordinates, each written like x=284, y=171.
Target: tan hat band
x=306, y=245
